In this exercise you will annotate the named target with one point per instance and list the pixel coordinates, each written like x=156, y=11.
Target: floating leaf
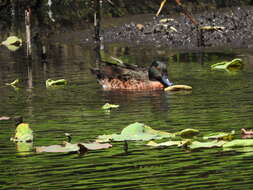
x=96, y=145
x=239, y=143
x=13, y=43
x=54, y=83
x=167, y=143
x=220, y=136
x=136, y=131
x=108, y=106
x=188, y=133
x=212, y=28
x=211, y=144
x=178, y=87
x=235, y=64
x=23, y=133
x=68, y=147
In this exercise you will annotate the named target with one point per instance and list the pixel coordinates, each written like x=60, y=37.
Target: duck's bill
x=166, y=81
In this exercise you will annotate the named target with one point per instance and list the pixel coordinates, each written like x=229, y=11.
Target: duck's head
x=158, y=72
x=18, y=120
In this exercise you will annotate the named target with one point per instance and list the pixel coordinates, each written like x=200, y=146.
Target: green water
x=220, y=101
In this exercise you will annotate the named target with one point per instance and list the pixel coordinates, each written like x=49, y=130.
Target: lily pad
x=220, y=136
x=23, y=133
x=211, y=144
x=166, y=144
x=235, y=64
x=68, y=147
x=108, y=106
x=55, y=83
x=135, y=132
x=239, y=143
x=188, y=133
x=178, y=87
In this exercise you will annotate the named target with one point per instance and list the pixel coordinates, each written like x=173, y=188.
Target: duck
x=124, y=76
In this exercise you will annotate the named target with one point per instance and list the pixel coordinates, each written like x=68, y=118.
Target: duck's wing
x=123, y=71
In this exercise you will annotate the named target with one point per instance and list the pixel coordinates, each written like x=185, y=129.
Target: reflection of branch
x=109, y=1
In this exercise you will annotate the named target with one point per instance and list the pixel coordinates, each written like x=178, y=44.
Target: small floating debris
x=55, y=83
x=211, y=28
x=178, y=88
x=165, y=20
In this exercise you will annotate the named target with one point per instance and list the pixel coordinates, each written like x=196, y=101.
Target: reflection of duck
x=131, y=77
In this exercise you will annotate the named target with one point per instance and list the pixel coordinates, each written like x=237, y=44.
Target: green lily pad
x=55, y=83
x=235, y=64
x=239, y=143
x=135, y=132
x=220, y=136
x=166, y=144
x=211, y=144
x=188, y=133
x=23, y=133
x=108, y=106
x=68, y=147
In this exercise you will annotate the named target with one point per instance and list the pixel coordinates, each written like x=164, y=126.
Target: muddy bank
x=235, y=30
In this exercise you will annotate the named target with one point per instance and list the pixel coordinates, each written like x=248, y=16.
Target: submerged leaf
x=178, y=87
x=136, y=131
x=108, y=106
x=54, y=83
x=220, y=136
x=235, y=64
x=23, y=133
